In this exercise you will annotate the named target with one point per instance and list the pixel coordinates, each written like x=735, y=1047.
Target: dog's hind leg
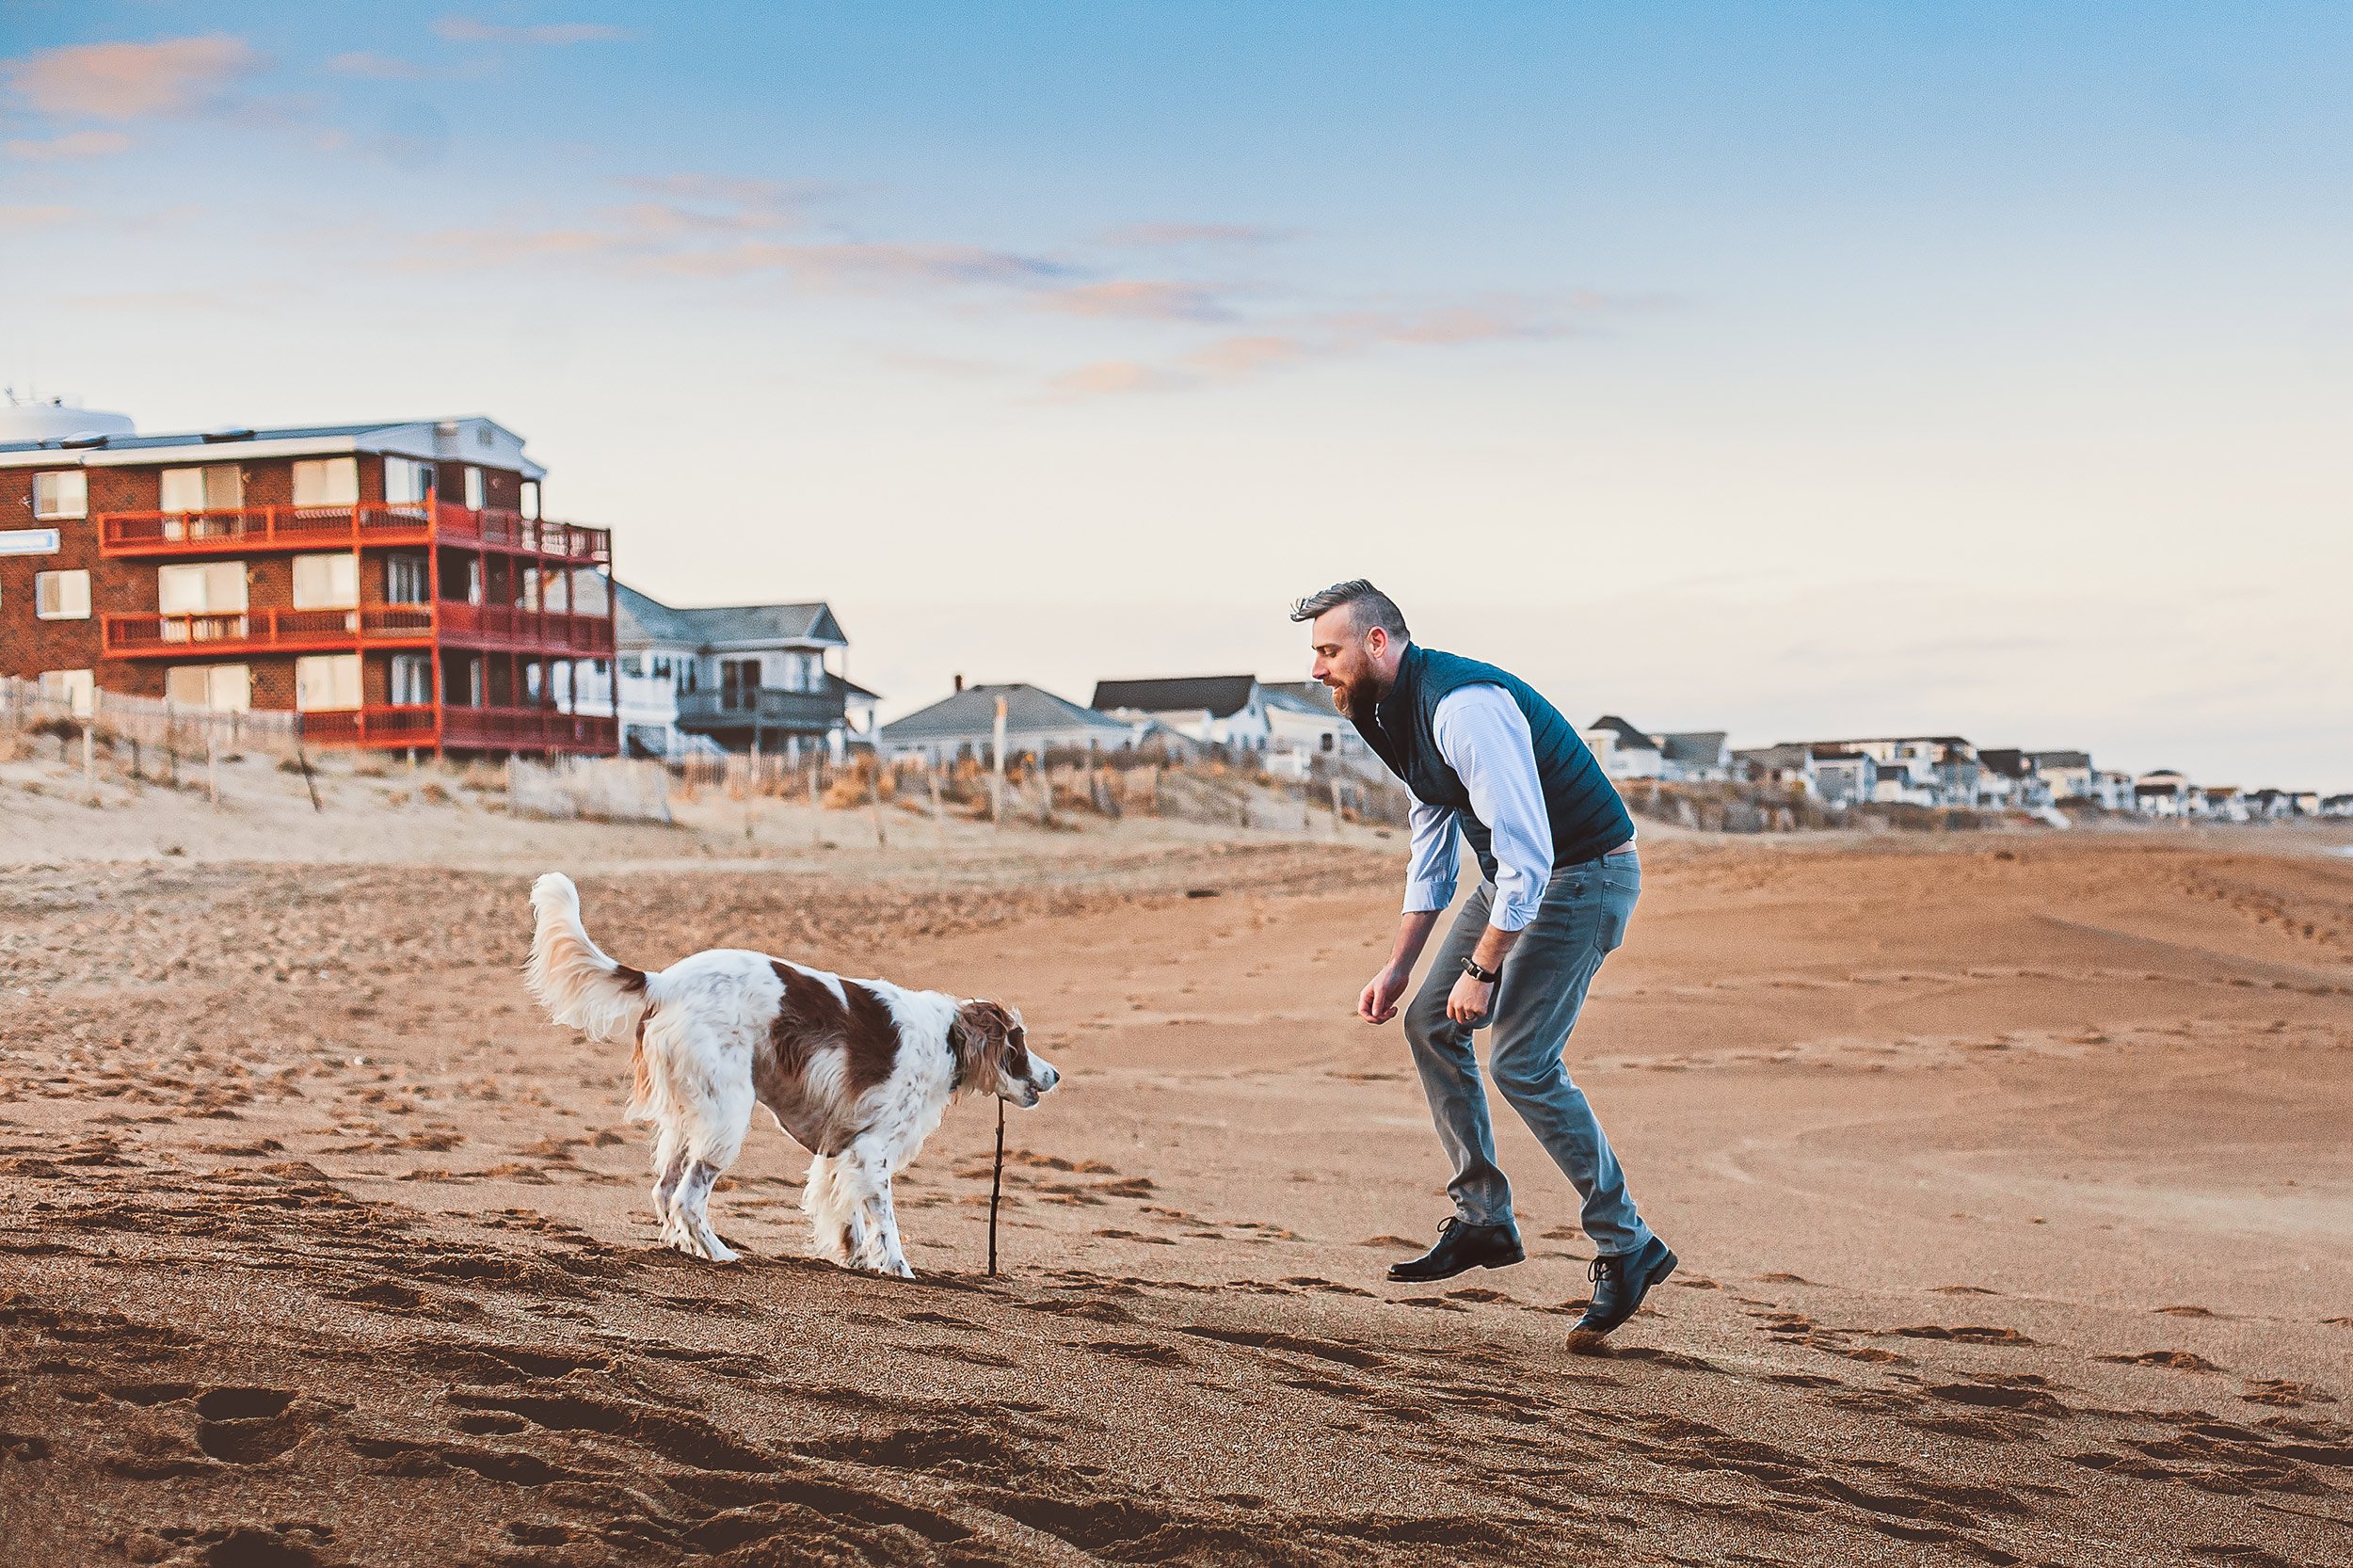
x=669, y=1168
x=821, y=1200
x=715, y=1116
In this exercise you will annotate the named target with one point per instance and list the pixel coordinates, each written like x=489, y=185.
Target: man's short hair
x=1368, y=605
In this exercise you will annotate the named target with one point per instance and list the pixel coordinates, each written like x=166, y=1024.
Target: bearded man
x=1488, y=758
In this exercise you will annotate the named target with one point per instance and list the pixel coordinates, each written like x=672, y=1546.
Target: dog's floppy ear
x=979, y=1033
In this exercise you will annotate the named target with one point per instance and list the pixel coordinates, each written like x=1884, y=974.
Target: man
x=1485, y=755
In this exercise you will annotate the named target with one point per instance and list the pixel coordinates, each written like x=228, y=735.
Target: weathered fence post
x=212, y=762
x=997, y=751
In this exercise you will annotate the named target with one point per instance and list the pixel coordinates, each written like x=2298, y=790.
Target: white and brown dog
x=858, y=1071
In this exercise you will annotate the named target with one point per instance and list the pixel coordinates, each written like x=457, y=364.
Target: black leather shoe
x=1620, y=1283
x=1462, y=1247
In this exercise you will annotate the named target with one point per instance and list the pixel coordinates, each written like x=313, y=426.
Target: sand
x=2011, y=1176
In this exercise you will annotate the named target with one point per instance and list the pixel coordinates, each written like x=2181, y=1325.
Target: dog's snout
x=1044, y=1077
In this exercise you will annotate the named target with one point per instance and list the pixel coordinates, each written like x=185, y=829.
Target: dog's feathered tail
x=582, y=988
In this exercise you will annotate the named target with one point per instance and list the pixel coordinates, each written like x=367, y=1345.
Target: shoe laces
x=1601, y=1267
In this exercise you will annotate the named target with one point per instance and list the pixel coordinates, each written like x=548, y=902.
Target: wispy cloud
x=377, y=68
x=128, y=81
x=467, y=29
x=870, y=264
x=36, y=218
x=1330, y=336
x=74, y=144
x=1163, y=235
x=1112, y=378
x=1140, y=299
x=1445, y=325
x=1251, y=353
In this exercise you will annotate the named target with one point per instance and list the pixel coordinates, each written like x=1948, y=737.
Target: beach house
x=742, y=678
x=398, y=583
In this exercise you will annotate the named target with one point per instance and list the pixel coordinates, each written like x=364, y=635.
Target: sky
x=1805, y=370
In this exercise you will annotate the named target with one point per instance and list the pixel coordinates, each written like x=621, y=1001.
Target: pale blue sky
x=1799, y=370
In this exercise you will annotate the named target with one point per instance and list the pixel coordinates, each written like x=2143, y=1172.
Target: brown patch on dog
x=632, y=980
x=810, y=1018
x=640, y=1075
x=871, y=1038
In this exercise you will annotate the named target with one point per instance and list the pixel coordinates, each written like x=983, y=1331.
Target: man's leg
x=1583, y=917
x=1449, y=1077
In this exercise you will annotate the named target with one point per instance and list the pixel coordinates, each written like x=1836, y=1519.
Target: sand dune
x=2011, y=1179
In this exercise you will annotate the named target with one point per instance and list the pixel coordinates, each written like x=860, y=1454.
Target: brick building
x=397, y=584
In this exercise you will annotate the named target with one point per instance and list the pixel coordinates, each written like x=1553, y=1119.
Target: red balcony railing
x=470, y=728
x=527, y=729
x=152, y=636
x=512, y=626
x=381, y=726
x=155, y=636
x=367, y=525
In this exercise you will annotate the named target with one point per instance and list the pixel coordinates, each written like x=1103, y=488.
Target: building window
x=326, y=581
x=634, y=666
x=223, y=688
x=408, y=481
x=412, y=679
x=406, y=580
x=737, y=679
x=461, y=679
x=72, y=687
x=61, y=494
x=61, y=594
x=530, y=499
x=213, y=487
x=662, y=667
x=326, y=481
x=327, y=682
x=473, y=490
x=202, y=588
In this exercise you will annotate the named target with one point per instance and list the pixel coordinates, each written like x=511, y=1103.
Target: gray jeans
x=1582, y=921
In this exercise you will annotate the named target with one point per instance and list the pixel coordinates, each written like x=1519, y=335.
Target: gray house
x=735, y=676
x=963, y=724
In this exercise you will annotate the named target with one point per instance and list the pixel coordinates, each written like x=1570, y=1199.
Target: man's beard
x=1357, y=699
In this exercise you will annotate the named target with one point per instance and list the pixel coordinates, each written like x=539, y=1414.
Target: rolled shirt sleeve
x=1484, y=738
x=1430, y=874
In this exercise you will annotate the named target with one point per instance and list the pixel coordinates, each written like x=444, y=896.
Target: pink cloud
x=1112, y=379
x=1252, y=353
x=1446, y=326
x=74, y=144
x=870, y=264
x=124, y=81
x=35, y=217
x=376, y=68
x=1139, y=298
x=467, y=29
x=1158, y=235
x=459, y=247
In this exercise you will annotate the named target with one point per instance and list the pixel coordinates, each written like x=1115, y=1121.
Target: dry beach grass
x=2010, y=1175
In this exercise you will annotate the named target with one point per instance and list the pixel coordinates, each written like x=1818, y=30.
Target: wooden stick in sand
x=996, y=1187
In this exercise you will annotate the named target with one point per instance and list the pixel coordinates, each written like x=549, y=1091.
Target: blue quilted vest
x=1587, y=817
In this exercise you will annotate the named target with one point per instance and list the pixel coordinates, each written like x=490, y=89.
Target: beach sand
x=2011, y=1176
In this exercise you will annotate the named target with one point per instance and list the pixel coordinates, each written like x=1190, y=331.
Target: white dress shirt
x=1483, y=736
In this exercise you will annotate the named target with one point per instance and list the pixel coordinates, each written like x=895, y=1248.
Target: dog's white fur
x=707, y=1033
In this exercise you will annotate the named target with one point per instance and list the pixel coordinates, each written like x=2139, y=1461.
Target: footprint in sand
x=2175, y=1361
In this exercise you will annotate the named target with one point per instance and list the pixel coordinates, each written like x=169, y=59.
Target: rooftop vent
x=230, y=433
x=82, y=439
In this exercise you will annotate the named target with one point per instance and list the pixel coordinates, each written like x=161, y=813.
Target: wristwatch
x=1485, y=977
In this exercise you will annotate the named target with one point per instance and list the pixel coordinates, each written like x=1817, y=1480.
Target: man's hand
x=1378, y=1004
x=1469, y=1000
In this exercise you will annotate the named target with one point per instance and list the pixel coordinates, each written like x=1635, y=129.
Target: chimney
x=959, y=683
